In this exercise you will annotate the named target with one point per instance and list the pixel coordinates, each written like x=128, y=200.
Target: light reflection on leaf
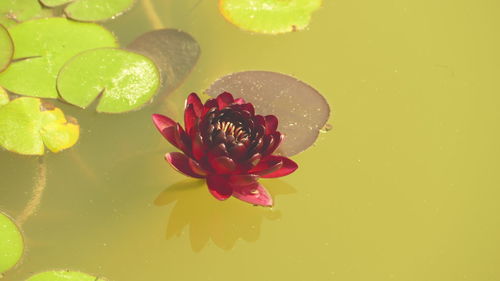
x=124, y=80
x=91, y=10
x=11, y=243
x=42, y=47
x=269, y=16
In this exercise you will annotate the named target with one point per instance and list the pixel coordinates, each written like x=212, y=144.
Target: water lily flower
x=225, y=142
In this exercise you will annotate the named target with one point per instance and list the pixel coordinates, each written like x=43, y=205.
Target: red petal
x=271, y=124
x=196, y=102
x=287, y=168
x=237, y=151
x=196, y=167
x=223, y=164
x=254, y=194
x=277, y=140
x=197, y=143
x=209, y=104
x=260, y=121
x=219, y=150
x=239, y=101
x=177, y=137
x=219, y=186
x=162, y=122
x=190, y=117
x=268, y=165
x=243, y=179
x=224, y=100
x=180, y=162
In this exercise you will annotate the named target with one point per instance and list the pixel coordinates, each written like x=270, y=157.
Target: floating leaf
x=269, y=16
x=42, y=47
x=4, y=97
x=125, y=80
x=174, y=52
x=302, y=111
x=91, y=10
x=11, y=243
x=63, y=275
x=26, y=124
x=6, y=48
x=15, y=11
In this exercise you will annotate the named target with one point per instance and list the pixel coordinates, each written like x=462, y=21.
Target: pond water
x=403, y=187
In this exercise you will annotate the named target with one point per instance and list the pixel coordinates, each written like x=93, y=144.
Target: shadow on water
x=209, y=219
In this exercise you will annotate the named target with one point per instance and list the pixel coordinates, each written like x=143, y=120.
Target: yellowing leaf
x=26, y=125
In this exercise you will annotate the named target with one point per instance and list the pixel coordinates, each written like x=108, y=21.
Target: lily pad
x=123, y=79
x=27, y=124
x=302, y=111
x=269, y=16
x=91, y=10
x=15, y=11
x=11, y=244
x=63, y=275
x=42, y=47
x=175, y=53
x=6, y=48
x=4, y=97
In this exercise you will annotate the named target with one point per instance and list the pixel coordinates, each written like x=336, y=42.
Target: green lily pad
x=269, y=16
x=15, y=11
x=175, y=52
x=63, y=275
x=27, y=124
x=123, y=79
x=4, y=97
x=42, y=47
x=91, y=10
x=11, y=244
x=6, y=48
x=301, y=110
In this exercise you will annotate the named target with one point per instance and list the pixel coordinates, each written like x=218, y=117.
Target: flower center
x=230, y=129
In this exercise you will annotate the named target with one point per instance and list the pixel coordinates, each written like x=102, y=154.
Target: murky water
x=403, y=187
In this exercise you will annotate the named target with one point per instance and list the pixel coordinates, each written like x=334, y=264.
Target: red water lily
x=226, y=143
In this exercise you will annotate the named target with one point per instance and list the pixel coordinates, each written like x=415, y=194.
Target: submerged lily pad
x=6, y=48
x=27, y=124
x=302, y=111
x=42, y=47
x=63, y=275
x=91, y=10
x=125, y=80
x=15, y=11
x=269, y=16
x=175, y=53
x=11, y=244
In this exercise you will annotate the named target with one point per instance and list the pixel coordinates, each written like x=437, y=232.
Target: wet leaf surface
x=42, y=46
x=11, y=244
x=4, y=97
x=63, y=275
x=269, y=16
x=6, y=48
x=15, y=11
x=174, y=52
x=125, y=80
x=91, y=10
x=27, y=125
x=302, y=111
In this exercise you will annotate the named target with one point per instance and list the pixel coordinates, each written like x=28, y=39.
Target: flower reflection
x=208, y=220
